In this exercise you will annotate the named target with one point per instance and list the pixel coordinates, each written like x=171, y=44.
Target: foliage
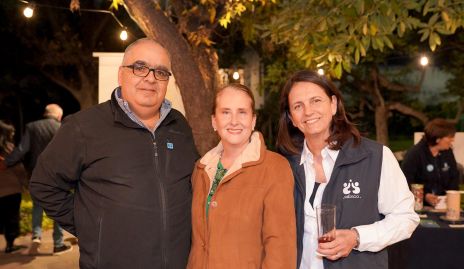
x=278, y=67
x=234, y=9
x=329, y=34
x=26, y=216
x=452, y=60
x=334, y=34
x=401, y=143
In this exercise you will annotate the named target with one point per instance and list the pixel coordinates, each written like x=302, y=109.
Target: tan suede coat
x=251, y=222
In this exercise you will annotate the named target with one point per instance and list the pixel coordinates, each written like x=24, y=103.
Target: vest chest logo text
x=351, y=190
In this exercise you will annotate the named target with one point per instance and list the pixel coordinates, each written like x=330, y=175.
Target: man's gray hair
x=142, y=40
x=53, y=110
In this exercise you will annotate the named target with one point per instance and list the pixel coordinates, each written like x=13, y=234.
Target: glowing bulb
x=28, y=12
x=123, y=35
x=235, y=75
x=320, y=71
x=424, y=61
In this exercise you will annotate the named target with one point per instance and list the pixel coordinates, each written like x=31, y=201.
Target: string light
x=123, y=35
x=424, y=61
x=236, y=75
x=320, y=71
x=28, y=12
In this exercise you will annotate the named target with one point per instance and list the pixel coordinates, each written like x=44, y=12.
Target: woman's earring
x=214, y=129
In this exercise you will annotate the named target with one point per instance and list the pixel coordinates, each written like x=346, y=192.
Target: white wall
x=458, y=145
x=108, y=65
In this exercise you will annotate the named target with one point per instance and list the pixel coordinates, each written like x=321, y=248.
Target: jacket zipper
x=207, y=231
x=163, y=207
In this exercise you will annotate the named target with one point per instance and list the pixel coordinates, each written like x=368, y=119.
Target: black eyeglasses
x=141, y=70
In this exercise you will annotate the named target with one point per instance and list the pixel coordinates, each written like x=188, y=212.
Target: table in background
x=437, y=248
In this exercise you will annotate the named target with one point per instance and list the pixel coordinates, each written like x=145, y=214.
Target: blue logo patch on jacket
x=170, y=145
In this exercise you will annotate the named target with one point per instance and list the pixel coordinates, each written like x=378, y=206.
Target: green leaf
x=388, y=42
x=346, y=65
x=212, y=14
x=116, y=3
x=433, y=19
x=426, y=8
x=225, y=20
x=425, y=34
x=331, y=57
x=338, y=70
x=443, y=30
x=356, y=56
x=433, y=41
x=373, y=29
x=436, y=38
x=401, y=29
x=359, y=5
x=445, y=16
x=362, y=50
x=322, y=26
x=379, y=43
x=411, y=4
x=365, y=29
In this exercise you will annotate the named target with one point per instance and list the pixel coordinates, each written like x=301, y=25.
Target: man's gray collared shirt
x=164, y=110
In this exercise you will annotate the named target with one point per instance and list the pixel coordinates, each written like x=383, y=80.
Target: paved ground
x=44, y=259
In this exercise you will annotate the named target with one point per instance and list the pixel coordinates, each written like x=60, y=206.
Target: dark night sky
x=24, y=90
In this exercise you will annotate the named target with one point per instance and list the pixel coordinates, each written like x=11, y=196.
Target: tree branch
x=61, y=81
x=384, y=82
x=407, y=110
x=375, y=87
x=360, y=112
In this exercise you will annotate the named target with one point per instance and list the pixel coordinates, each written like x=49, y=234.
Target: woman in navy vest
x=333, y=164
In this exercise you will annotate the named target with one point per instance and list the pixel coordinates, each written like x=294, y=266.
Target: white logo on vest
x=446, y=167
x=351, y=190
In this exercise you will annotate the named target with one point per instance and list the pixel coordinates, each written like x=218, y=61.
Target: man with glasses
x=117, y=175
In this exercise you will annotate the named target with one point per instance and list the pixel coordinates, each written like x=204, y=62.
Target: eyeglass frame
x=132, y=66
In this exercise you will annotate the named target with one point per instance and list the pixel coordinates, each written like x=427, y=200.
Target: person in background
x=34, y=140
x=242, y=210
x=117, y=175
x=333, y=164
x=12, y=182
x=431, y=161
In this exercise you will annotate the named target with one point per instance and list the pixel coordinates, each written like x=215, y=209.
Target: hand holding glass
x=325, y=217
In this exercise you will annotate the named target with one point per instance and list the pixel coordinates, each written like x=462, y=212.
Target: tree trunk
x=194, y=69
x=381, y=124
x=85, y=90
x=86, y=95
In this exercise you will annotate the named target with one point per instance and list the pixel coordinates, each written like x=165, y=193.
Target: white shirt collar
x=307, y=156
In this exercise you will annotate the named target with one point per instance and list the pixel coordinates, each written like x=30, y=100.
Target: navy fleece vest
x=353, y=188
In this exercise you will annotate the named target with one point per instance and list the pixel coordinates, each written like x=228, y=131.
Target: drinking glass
x=325, y=216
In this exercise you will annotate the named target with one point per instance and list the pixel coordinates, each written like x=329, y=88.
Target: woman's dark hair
x=438, y=128
x=236, y=86
x=6, y=137
x=290, y=139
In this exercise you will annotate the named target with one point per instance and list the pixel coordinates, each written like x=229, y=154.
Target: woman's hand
x=345, y=241
x=431, y=198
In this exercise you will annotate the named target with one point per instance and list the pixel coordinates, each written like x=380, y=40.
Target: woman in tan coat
x=242, y=210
